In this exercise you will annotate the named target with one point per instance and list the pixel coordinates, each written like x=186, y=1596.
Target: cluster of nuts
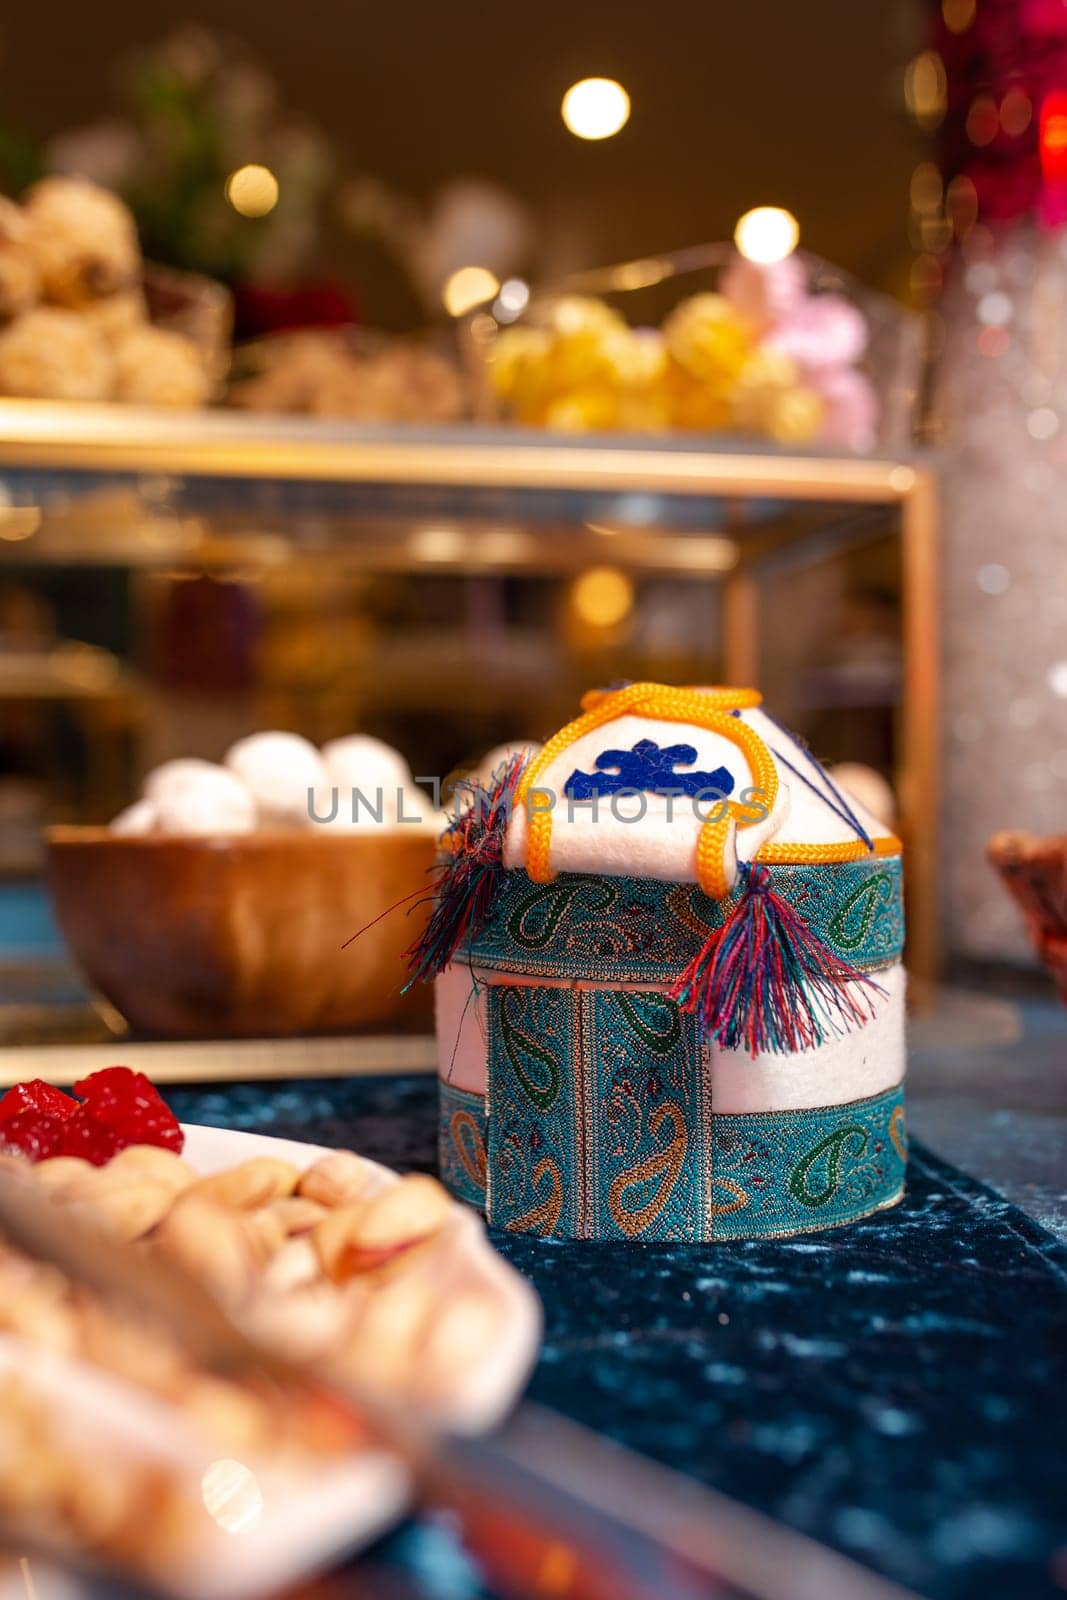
x=137, y=1512
x=342, y=1265
x=324, y=374
x=73, y=319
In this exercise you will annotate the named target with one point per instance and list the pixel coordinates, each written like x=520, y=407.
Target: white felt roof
x=659, y=840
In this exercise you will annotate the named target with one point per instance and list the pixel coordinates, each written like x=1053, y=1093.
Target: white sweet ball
x=360, y=762
x=173, y=775
x=867, y=786
x=136, y=819
x=390, y=807
x=333, y=809
x=279, y=769
x=208, y=802
x=416, y=803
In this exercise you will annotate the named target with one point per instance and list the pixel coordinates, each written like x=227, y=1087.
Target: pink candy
x=824, y=335
x=823, y=331
x=765, y=295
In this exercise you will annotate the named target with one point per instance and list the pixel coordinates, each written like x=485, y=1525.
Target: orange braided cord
x=800, y=854
x=709, y=710
x=724, y=698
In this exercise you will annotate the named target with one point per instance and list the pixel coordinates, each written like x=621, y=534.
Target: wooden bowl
x=244, y=936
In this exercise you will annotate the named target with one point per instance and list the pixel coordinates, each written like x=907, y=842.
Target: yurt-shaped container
x=670, y=999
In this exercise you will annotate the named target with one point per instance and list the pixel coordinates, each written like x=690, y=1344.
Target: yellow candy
x=582, y=368
x=693, y=403
x=708, y=340
x=796, y=416
x=765, y=377
x=574, y=317
x=590, y=356
x=584, y=410
x=518, y=354
x=642, y=358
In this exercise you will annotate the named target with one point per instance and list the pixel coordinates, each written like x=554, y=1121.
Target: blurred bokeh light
x=595, y=108
x=767, y=233
x=252, y=190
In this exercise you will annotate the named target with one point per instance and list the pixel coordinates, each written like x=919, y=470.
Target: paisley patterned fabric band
x=605, y=929
x=601, y=1126
x=461, y=1143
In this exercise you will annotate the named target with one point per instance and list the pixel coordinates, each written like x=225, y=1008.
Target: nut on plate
x=254, y=1183
x=338, y=1179
x=207, y=1239
x=384, y=1232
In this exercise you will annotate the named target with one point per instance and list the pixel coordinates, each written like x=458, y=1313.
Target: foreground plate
x=488, y=1390
x=304, y=1522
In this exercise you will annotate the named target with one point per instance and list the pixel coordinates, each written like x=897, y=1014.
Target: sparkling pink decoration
x=1005, y=122
x=822, y=333
x=1000, y=414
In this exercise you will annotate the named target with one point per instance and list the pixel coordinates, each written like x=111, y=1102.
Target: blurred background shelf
x=169, y=582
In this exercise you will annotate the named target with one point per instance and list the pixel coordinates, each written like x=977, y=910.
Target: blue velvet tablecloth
x=897, y=1389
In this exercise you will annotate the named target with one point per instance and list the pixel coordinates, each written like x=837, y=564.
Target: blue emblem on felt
x=648, y=769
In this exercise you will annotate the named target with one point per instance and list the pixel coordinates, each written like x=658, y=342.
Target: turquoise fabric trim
x=461, y=1143
x=602, y=1128
x=637, y=930
x=800, y=1170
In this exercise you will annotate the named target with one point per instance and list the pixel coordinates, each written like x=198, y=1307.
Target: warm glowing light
x=483, y=328
x=935, y=233
x=925, y=277
x=1016, y=110
x=19, y=522
x=602, y=596
x=502, y=547
x=468, y=287
x=232, y=1496
x=1053, y=135
x=925, y=191
x=252, y=190
x=993, y=342
x=995, y=309
x=595, y=108
x=1043, y=423
x=767, y=233
x=512, y=300
x=640, y=274
x=983, y=120
x=961, y=202
x=436, y=544
x=958, y=14
x=926, y=88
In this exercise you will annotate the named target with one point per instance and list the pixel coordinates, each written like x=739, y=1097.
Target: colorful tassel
x=467, y=882
x=766, y=982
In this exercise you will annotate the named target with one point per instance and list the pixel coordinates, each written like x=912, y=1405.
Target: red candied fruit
x=36, y=1095
x=85, y=1135
x=130, y=1105
x=34, y=1133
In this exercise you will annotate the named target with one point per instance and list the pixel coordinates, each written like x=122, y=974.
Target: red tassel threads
x=469, y=879
x=766, y=983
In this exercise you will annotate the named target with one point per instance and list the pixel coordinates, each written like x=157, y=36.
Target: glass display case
x=448, y=587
